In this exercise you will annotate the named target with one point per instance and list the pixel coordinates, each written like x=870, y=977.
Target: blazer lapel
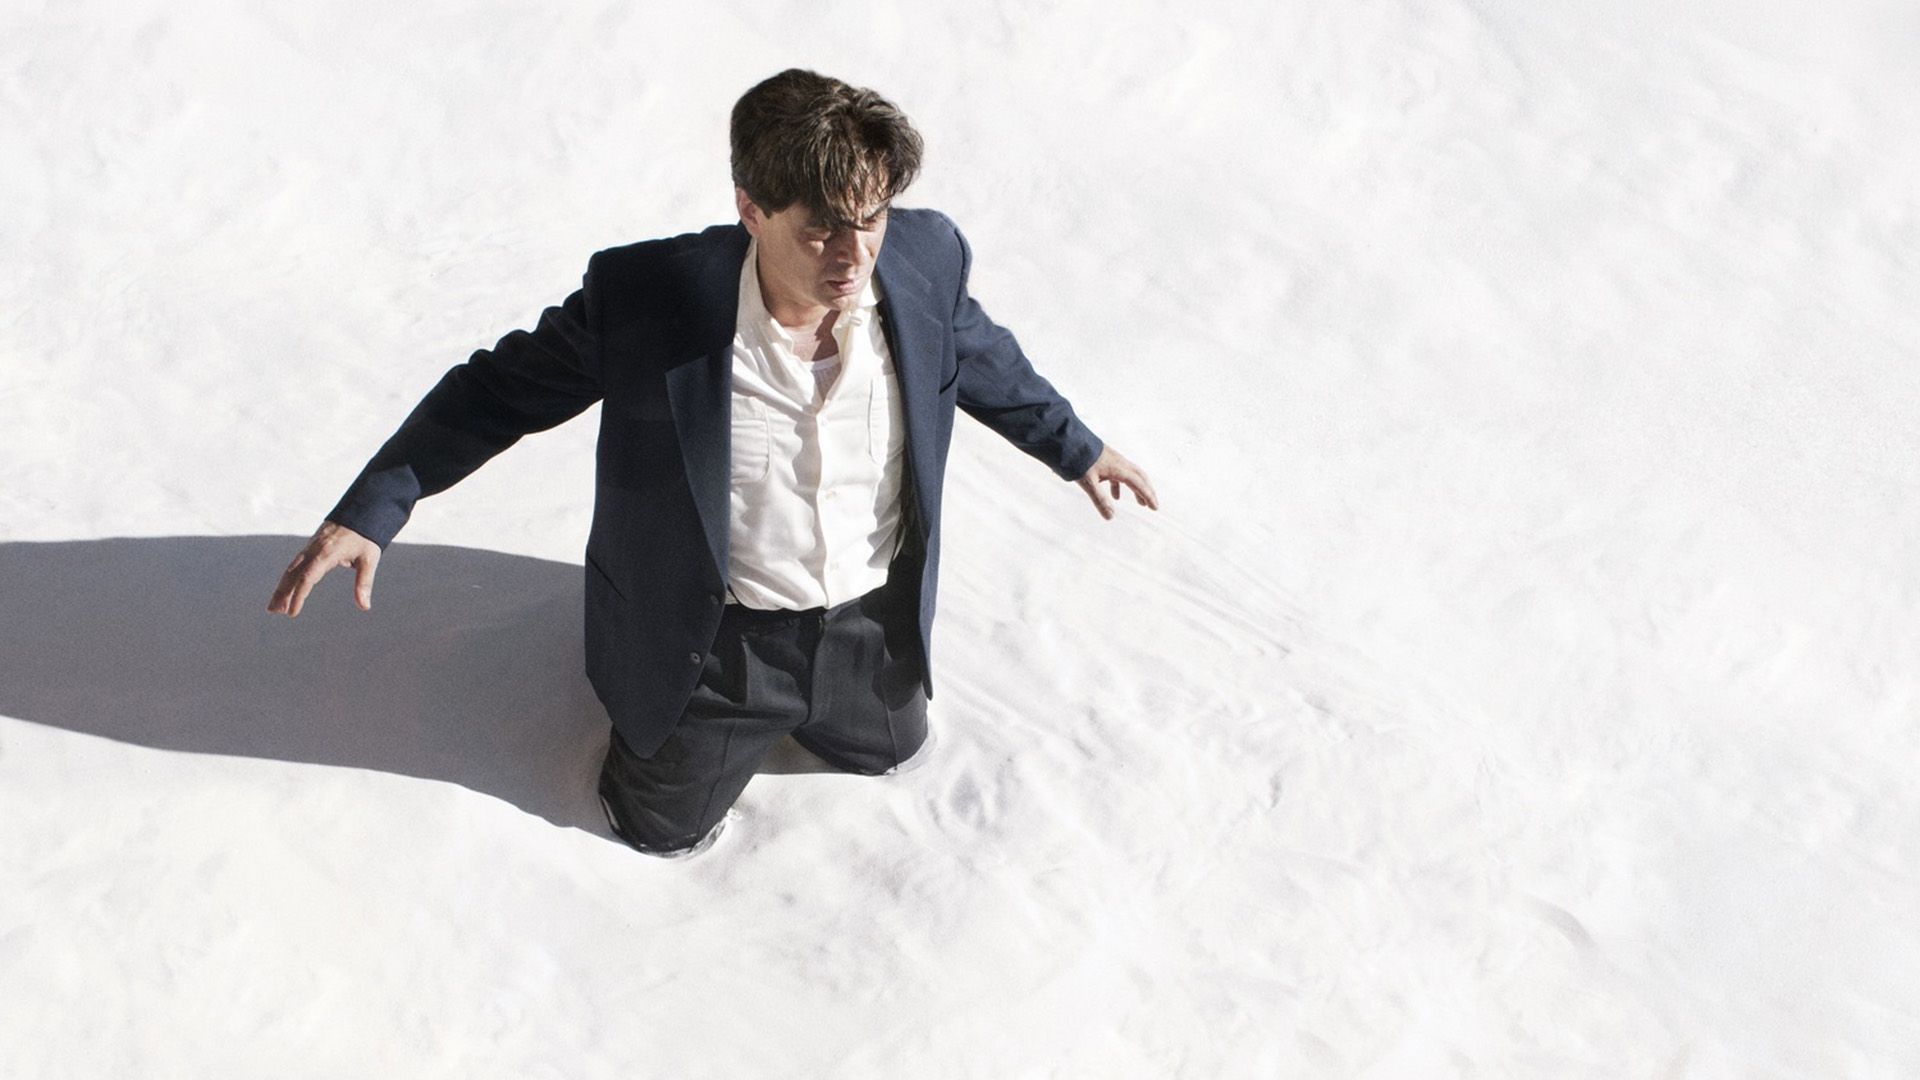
x=700, y=387
x=914, y=333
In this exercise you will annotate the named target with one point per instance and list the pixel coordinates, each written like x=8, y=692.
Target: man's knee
x=671, y=803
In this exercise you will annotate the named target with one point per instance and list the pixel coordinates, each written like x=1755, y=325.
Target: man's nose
x=845, y=247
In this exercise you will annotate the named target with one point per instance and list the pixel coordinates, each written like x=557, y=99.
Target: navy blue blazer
x=649, y=334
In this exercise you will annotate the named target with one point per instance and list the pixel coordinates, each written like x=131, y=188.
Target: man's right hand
x=332, y=545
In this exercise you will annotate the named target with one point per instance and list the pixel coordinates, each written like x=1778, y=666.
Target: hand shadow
x=467, y=670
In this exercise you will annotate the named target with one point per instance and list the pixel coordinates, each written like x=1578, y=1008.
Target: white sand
x=1520, y=680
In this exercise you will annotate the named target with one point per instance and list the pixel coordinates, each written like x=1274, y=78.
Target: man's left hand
x=1113, y=470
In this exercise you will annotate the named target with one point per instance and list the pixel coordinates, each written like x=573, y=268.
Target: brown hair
x=801, y=137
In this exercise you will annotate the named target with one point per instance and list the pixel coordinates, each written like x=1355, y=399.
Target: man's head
x=815, y=164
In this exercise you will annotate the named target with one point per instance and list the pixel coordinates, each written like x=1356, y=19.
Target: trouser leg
x=670, y=801
x=752, y=691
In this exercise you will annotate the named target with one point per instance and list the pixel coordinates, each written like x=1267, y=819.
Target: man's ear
x=750, y=215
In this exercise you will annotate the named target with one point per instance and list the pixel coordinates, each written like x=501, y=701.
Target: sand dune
x=1519, y=680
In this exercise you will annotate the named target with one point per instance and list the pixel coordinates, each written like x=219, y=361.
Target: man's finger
x=307, y=581
x=363, y=581
x=1143, y=491
x=289, y=581
x=1099, y=498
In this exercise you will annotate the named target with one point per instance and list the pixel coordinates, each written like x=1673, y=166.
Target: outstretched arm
x=530, y=381
x=998, y=386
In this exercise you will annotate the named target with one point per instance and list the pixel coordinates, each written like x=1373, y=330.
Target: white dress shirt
x=818, y=454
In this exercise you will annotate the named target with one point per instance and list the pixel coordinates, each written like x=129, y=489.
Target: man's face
x=806, y=264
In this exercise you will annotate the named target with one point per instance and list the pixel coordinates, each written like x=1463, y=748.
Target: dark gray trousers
x=843, y=681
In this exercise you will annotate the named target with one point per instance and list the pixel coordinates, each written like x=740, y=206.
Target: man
x=777, y=404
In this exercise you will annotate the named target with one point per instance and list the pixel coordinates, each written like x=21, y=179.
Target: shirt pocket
x=752, y=441
x=886, y=427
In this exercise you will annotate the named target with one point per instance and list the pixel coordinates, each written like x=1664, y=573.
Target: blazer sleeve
x=530, y=381
x=998, y=386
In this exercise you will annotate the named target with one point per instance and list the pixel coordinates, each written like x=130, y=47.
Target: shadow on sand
x=467, y=670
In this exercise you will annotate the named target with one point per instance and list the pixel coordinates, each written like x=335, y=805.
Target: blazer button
x=695, y=657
